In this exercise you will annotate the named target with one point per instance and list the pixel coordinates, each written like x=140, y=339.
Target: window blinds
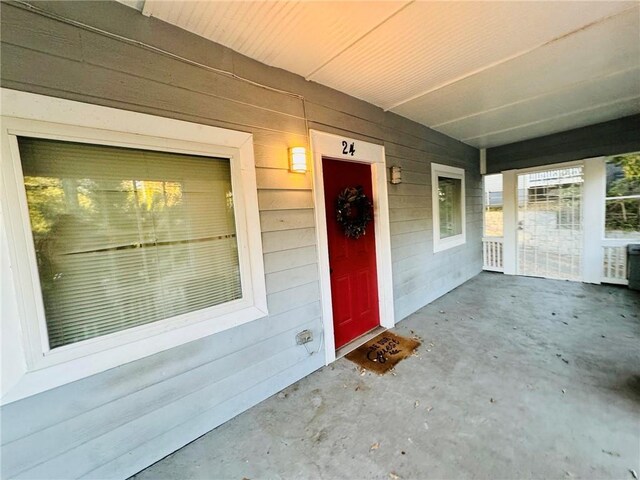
x=125, y=237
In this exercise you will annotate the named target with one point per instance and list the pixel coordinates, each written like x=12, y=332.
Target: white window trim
x=441, y=244
x=31, y=367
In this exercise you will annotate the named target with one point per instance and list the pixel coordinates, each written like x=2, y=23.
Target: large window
x=448, y=206
x=622, y=218
x=128, y=234
x=125, y=237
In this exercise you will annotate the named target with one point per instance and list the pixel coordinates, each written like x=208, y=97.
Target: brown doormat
x=383, y=352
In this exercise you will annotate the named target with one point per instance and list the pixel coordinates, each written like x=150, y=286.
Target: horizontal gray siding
x=607, y=138
x=113, y=424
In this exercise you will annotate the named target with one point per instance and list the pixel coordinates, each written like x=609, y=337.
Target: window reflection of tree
x=449, y=191
x=117, y=252
x=82, y=220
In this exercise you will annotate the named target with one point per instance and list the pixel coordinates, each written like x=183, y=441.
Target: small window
x=622, y=207
x=448, y=206
x=126, y=237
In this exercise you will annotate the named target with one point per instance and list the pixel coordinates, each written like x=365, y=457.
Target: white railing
x=492, y=254
x=614, y=266
x=615, y=261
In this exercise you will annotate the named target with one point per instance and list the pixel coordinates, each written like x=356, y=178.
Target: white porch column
x=593, y=208
x=510, y=220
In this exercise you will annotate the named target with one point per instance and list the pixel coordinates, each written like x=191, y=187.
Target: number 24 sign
x=348, y=148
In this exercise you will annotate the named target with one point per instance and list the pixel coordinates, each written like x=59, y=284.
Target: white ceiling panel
x=484, y=72
x=568, y=121
x=298, y=36
x=599, y=91
x=594, y=66
x=431, y=44
x=610, y=46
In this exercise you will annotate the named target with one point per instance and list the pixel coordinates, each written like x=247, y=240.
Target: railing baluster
x=614, y=268
x=492, y=253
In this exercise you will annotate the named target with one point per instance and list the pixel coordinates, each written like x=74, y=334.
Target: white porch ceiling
x=486, y=73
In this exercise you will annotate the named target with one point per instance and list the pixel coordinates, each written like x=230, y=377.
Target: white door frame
x=332, y=146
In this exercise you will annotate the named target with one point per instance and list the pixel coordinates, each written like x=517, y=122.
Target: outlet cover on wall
x=303, y=337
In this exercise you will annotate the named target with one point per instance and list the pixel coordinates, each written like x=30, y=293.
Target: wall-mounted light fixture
x=396, y=174
x=298, y=159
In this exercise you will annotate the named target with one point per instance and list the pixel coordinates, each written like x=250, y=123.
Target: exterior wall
x=115, y=423
x=607, y=138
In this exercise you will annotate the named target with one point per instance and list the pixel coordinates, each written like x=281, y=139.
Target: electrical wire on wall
x=54, y=16
x=311, y=352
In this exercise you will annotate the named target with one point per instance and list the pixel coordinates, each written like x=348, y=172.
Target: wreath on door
x=353, y=211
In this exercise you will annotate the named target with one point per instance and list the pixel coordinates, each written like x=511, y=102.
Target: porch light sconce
x=298, y=159
x=396, y=175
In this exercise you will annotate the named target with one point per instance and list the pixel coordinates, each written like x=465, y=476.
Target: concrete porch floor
x=526, y=378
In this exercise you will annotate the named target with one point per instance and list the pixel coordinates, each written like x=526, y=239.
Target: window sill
x=448, y=243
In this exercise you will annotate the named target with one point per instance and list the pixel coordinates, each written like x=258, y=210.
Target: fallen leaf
x=634, y=474
x=564, y=391
x=426, y=426
x=363, y=373
x=415, y=405
x=429, y=409
x=613, y=454
x=394, y=476
x=375, y=446
x=492, y=400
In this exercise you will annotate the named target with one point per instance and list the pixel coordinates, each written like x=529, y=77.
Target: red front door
x=352, y=262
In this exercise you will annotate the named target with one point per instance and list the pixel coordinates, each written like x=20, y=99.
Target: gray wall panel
x=117, y=422
x=607, y=138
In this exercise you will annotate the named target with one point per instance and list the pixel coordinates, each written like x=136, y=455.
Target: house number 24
x=348, y=148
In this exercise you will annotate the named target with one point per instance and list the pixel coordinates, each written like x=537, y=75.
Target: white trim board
x=593, y=201
x=330, y=146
